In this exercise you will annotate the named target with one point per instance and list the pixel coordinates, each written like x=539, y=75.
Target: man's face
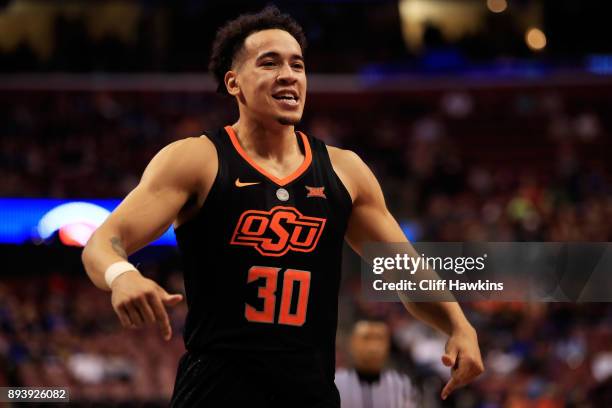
x=269, y=77
x=370, y=346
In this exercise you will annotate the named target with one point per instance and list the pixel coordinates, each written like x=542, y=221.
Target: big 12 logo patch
x=275, y=232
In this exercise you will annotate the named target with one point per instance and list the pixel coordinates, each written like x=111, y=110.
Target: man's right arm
x=181, y=170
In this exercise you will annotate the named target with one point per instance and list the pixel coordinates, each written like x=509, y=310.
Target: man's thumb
x=450, y=356
x=448, y=360
x=171, y=300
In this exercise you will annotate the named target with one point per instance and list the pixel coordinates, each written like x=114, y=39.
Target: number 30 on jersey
x=292, y=278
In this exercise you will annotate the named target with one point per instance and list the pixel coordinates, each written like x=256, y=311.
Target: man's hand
x=139, y=301
x=463, y=355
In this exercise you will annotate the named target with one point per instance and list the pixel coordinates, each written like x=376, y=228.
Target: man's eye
x=268, y=63
x=298, y=66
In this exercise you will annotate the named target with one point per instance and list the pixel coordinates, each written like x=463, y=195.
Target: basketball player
x=260, y=213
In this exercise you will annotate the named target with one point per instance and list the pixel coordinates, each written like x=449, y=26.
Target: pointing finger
x=124, y=318
x=449, y=387
x=135, y=316
x=162, y=317
x=145, y=310
x=461, y=375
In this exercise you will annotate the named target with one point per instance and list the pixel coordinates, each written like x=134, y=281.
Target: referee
x=369, y=384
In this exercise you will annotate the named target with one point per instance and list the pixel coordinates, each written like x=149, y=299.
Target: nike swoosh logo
x=241, y=184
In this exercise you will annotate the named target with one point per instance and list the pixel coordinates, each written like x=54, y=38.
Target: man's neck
x=272, y=143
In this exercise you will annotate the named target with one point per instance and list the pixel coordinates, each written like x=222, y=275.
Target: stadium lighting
x=497, y=6
x=535, y=39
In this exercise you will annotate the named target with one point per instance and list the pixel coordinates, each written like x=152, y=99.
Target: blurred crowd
x=61, y=331
x=528, y=165
x=496, y=165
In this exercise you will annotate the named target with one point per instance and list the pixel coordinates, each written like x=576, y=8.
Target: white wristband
x=116, y=269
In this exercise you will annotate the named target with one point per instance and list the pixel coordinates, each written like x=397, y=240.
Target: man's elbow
x=90, y=261
x=86, y=253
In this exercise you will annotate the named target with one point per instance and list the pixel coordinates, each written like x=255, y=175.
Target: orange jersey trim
x=281, y=182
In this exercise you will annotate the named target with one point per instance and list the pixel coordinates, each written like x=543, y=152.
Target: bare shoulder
x=190, y=149
x=342, y=157
x=191, y=162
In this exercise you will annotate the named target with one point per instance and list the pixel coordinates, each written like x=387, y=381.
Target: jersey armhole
x=213, y=188
x=338, y=178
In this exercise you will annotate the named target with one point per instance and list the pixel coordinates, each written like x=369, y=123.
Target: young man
x=260, y=213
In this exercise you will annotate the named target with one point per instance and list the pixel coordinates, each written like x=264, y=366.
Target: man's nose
x=286, y=74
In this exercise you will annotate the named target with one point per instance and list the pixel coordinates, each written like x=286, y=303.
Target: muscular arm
x=171, y=177
x=181, y=170
x=371, y=221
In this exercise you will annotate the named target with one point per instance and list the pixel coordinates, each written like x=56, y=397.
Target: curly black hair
x=230, y=38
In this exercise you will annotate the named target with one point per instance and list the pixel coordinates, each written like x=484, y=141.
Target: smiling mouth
x=287, y=99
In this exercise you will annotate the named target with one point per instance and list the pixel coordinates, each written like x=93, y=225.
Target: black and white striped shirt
x=391, y=390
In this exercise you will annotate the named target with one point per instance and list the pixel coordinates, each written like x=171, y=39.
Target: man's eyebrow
x=275, y=54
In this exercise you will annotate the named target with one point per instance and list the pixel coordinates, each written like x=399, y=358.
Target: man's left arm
x=371, y=221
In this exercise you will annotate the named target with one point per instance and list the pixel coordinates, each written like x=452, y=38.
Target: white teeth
x=286, y=96
x=289, y=100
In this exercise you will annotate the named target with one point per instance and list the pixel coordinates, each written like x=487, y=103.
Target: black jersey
x=262, y=258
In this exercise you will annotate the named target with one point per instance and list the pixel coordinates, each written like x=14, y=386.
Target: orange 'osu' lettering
x=275, y=232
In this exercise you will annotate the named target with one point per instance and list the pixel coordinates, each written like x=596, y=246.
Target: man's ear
x=231, y=83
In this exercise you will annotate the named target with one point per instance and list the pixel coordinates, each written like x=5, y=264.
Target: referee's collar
x=369, y=378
